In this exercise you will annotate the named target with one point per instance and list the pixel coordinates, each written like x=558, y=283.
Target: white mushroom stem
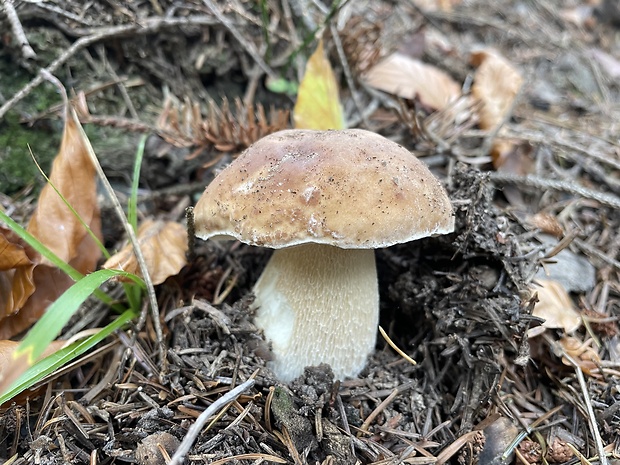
x=318, y=304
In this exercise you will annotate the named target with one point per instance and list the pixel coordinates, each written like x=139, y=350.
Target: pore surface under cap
x=350, y=188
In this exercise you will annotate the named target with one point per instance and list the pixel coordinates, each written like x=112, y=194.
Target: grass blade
x=52, y=322
x=49, y=364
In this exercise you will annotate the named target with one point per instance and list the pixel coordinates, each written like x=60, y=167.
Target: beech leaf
x=496, y=84
x=318, y=102
x=163, y=244
x=555, y=306
x=17, y=262
x=53, y=222
x=409, y=78
x=56, y=226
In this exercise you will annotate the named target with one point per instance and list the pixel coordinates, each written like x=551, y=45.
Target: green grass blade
x=59, y=313
x=60, y=358
x=132, y=208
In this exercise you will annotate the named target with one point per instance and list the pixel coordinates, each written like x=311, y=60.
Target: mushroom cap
x=349, y=188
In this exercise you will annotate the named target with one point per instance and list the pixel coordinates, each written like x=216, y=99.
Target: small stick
x=213, y=409
x=18, y=31
x=348, y=75
x=543, y=183
x=387, y=401
x=598, y=440
x=150, y=290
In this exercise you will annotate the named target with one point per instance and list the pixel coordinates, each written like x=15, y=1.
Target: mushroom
x=324, y=200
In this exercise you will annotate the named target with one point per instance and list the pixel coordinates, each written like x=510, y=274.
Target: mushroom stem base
x=318, y=304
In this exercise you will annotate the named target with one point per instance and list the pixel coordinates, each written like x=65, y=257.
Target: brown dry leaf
x=409, y=78
x=555, y=306
x=8, y=347
x=163, y=244
x=436, y=5
x=582, y=353
x=54, y=225
x=496, y=84
x=17, y=262
x=547, y=223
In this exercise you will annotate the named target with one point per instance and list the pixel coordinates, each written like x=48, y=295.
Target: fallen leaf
x=547, y=223
x=163, y=244
x=436, y=5
x=17, y=262
x=54, y=225
x=581, y=353
x=555, y=306
x=318, y=102
x=409, y=78
x=496, y=84
x=74, y=176
x=7, y=348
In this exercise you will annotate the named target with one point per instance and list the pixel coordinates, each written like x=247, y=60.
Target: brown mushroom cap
x=349, y=188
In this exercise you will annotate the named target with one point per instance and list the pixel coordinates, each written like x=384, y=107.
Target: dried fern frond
x=225, y=130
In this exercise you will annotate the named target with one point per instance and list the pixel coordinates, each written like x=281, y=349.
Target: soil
x=482, y=391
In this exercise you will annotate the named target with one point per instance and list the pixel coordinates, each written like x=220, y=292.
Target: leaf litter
x=461, y=306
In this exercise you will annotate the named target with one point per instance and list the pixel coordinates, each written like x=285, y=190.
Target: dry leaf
x=547, y=223
x=54, y=225
x=17, y=262
x=163, y=244
x=409, y=78
x=582, y=353
x=496, y=84
x=8, y=347
x=318, y=102
x=555, y=306
x=436, y=5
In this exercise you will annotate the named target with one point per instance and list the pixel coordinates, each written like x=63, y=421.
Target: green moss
x=17, y=169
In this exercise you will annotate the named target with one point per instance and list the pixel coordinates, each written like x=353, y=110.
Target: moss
x=17, y=169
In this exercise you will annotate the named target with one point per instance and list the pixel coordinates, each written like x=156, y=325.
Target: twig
x=537, y=182
x=18, y=31
x=598, y=441
x=213, y=409
x=347, y=74
x=146, y=26
x=121, y=214
x=387, y=401
x=245, y=44
x=589, y=249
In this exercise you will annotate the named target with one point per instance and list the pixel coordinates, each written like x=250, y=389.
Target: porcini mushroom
x=324, y=200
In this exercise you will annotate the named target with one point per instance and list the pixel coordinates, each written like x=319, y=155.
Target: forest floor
x=492, y=384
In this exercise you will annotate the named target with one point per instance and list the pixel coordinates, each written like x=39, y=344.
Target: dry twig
x=538, y=182
x=213, y=409
x=18, y=31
